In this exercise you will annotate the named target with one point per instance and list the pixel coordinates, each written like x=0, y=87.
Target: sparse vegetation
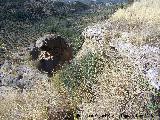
x=81, y=75
x=114, y=73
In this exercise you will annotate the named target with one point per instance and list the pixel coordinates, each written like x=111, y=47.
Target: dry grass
x=141, y=20
x=122, y=91
x=118, y=93
x=27, y=105
x=119, y=90
x=37, y=100
x=34, y=104
x=145, y=11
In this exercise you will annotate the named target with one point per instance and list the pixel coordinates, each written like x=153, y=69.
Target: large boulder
x=51, y=51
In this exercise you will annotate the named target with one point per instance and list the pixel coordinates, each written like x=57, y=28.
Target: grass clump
x=146, y=11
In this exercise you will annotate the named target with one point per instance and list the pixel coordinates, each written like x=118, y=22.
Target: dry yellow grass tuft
x=145, y=11
x=141, y=20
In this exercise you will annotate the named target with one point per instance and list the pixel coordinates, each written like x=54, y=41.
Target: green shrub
x=81, y=75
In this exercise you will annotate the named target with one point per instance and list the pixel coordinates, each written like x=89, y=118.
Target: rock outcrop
x=21, y=84
x=140, y=47
x=129, y=42
x=51, y=52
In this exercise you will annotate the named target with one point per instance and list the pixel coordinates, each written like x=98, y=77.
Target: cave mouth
x=51, y=52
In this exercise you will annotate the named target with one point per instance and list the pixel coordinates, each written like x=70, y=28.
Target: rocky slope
x=129, y=42
x=145, y=58
x=139, y=42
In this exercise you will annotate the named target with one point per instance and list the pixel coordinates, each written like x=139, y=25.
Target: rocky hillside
x=129, y=43
x=133, y=34
x=115, y=75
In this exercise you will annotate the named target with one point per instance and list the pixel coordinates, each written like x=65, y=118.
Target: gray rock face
x=23, y=83
x=145, y=58
x=21, y=77
x=51, y=51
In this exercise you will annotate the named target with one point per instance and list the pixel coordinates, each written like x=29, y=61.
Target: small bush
x=79, y=77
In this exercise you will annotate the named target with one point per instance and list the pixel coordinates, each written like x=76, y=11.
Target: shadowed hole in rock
x=60, y=114
x=78, y=116
x=34, y=53
x=0, y=82
x=51, y=52
x=105, y=115
x=139, y=116
x=125, y=116
x=19, y=77
x=155, y=100
x=91, y=116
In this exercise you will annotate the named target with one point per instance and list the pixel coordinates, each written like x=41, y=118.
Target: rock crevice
x=51, y=51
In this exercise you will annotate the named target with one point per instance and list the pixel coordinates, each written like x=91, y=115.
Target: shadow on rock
x=51, y=52
x=60, y=114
